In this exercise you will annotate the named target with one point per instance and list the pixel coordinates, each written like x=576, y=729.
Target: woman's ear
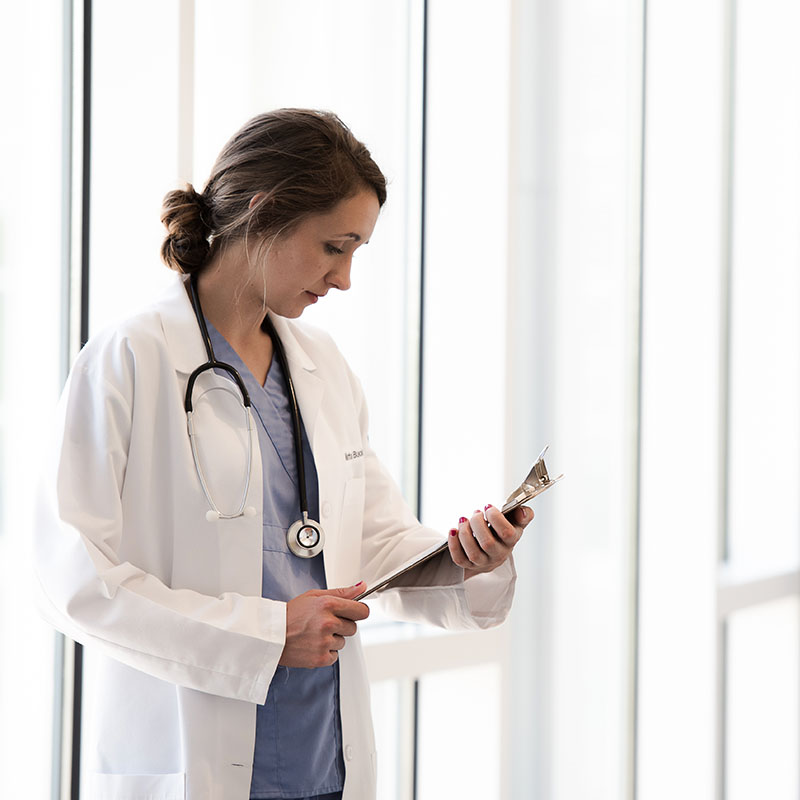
x=256, y=199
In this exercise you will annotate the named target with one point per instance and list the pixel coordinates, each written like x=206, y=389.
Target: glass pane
x=763, y=702
x=134, y=141
x=393, y=718
x=679, y=514
x=459, y=734
x=30, y=373
x=360, y=60
x=765, y=327
x=464, y=375
x=134, y=152
x=574, y=338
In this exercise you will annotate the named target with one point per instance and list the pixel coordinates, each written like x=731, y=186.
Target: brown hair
x=302, y=161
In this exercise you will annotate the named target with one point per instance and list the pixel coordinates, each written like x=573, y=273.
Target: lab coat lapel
x=308, y=386
x=180, y=327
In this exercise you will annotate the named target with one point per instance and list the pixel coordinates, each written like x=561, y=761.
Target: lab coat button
x=326, y=509
x=348, y=752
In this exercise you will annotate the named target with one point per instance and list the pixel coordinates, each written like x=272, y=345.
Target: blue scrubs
x=298, y=752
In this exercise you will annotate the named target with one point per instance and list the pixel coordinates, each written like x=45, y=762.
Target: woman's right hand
x=317, y=623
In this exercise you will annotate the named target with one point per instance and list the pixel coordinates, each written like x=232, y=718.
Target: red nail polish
x=453, y=531
x=488, y=505
x=462, y=520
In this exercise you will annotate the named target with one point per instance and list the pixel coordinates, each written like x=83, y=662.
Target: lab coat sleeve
x=436, y=592
x=227, y=645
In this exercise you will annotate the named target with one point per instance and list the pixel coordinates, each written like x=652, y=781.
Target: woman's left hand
x=478, y=548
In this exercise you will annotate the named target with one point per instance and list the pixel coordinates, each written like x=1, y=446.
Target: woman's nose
x=339, y=278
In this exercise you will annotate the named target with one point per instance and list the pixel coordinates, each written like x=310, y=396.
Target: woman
x=212, y=576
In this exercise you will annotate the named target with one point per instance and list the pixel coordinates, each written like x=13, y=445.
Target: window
x=588, y=243
x=31, y=369
x=719, y=525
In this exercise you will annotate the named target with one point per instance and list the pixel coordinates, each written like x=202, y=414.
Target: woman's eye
x=334, y=251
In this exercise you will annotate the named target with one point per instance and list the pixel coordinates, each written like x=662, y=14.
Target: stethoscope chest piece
x=306, y=537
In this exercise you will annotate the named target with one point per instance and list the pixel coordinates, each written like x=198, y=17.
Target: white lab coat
x=178, y=638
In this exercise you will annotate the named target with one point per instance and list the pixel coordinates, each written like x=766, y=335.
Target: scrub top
x=298, y=750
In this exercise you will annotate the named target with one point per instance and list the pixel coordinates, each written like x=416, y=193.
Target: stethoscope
x=305, y=537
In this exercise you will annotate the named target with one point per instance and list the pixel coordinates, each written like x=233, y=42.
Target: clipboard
x=537, y=481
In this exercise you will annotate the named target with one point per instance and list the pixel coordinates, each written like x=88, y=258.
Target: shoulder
x=123, y=338
x=120, y=349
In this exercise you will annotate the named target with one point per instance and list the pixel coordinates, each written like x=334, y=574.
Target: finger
x=345, y=592
x=520, y=516
x=523, y=516
x=341, y=604
x=492, y=545
x=338, y=642
x=505, y=530
x=457, y=551
x=472, y=549
x=345, y=627
x=348, y=609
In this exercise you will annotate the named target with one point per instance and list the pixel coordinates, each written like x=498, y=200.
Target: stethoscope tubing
x=212, y=362
x=204, y=485
x=269, y=328
x=298, y=533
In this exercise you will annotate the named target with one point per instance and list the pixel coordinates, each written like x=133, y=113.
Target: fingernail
x=453, y=531
x=360, y=583
x=462, y=520
x=488, y=505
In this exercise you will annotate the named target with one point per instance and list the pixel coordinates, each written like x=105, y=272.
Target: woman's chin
x=288, y=310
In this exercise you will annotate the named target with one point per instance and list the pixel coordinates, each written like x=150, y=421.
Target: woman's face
x=302, y=266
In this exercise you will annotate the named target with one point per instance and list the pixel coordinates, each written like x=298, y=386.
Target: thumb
x=347, y=592
x=524, y=515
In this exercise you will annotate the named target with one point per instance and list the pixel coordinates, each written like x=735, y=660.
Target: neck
x=228, y=300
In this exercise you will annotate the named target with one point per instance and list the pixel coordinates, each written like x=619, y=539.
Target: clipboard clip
x=537, y=481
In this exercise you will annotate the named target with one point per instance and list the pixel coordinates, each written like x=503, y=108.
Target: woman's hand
x=477, y=548
x=317, y=623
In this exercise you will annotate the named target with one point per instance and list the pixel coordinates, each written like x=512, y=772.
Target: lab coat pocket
x=353, y=509
x=105, y=786
x=351, y=521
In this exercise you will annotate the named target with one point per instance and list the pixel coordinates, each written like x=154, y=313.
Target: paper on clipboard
x=537, y=481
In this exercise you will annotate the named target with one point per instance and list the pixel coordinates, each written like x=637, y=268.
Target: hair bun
x=185, y=215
